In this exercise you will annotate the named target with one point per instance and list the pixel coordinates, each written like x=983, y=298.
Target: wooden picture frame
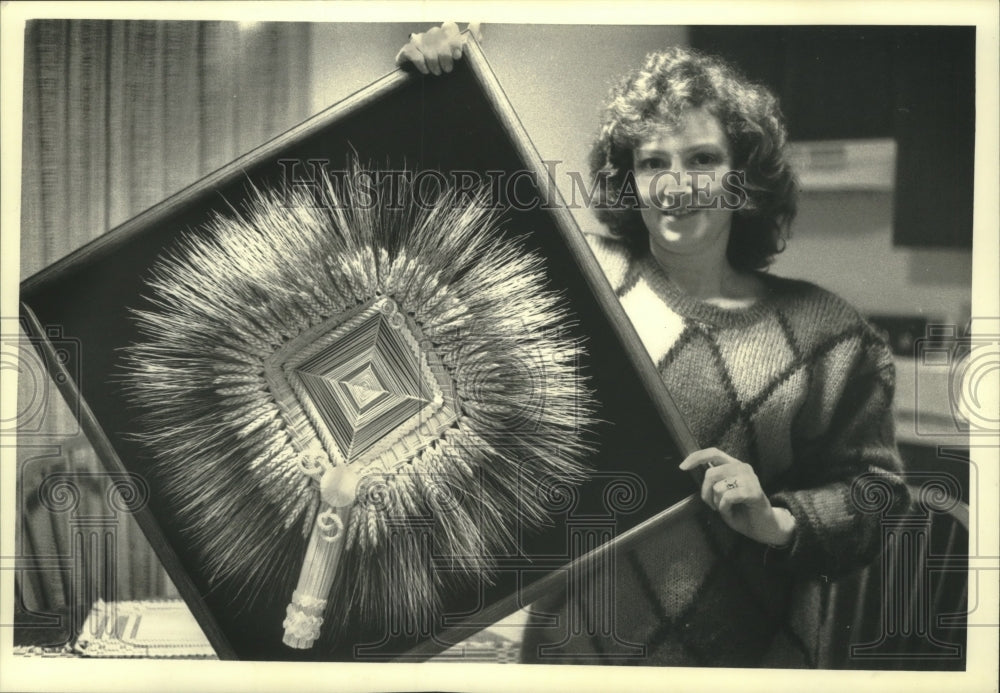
x=461, y=121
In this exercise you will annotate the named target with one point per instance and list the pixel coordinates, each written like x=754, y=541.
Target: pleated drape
x=117, y=116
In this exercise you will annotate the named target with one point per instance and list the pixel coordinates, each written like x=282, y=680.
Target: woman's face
x=679, y=172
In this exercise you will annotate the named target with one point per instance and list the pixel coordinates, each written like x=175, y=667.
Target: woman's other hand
x=732, y=488
x=436, y=49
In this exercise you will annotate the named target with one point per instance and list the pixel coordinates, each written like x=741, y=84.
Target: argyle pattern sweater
x=797, y=385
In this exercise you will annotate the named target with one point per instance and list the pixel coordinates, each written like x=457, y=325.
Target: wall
x=843, y=241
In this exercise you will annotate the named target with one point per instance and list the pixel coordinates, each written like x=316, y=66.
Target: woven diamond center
x=368, y=387
x=365, y=388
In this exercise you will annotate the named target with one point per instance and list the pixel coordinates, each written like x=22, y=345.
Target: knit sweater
x=799, y=386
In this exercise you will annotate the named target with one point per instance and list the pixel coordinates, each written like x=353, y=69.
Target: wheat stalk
x=224, y=301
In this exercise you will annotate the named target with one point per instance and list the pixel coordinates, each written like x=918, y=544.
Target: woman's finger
x=411, y=54
x=707, y=457
x=437, y=45
x=454, y=41
x=720, y=488
x=724, y=471
x=711, y=490
x=446, y=57
x=708, y=494
x=428, y=44
x=731, y=498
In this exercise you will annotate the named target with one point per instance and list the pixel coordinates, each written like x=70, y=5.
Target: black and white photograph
x=458, y=346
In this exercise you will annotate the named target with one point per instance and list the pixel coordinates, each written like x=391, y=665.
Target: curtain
x=117, y=116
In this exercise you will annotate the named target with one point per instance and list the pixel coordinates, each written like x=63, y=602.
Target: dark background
x=914, y=84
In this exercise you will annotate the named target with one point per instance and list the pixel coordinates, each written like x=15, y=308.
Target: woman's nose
x=673, y=189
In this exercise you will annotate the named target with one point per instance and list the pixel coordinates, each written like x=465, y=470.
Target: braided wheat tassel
x=338, y=488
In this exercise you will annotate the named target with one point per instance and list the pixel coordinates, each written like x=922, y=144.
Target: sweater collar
x=646, y=266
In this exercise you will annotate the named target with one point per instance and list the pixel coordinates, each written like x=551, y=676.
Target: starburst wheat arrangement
x=339, y=388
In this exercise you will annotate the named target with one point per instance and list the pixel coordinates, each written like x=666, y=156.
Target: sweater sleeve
x=847, y=475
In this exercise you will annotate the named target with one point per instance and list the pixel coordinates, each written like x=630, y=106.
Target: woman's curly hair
x=670, y=82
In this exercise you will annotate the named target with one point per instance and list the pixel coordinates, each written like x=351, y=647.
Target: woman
x=786, y=386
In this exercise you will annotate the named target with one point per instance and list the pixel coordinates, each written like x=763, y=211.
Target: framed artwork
x=370, y=381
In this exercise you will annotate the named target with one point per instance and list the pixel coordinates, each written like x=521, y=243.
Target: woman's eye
x=650, y=163
x=705, y=159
